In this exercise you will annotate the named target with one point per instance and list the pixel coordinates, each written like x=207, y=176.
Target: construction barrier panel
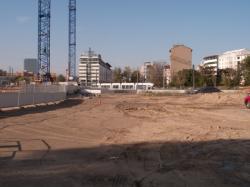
x=32, y=95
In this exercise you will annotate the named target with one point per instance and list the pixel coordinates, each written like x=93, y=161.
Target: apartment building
x=211, y=62
x=93, y=70
x=144, y=70
x=180, y=58
x=166, y=75
x=232, y=59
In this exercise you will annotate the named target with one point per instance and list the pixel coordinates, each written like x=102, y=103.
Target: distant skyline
x=125, y=32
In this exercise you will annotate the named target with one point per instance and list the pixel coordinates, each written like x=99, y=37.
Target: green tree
x=126, y=75
x=135, y=76
x=179, y=79
x=245, y=71
x=117, y=75
x=199, y=79
x=229, y=77
x=60, y=78
x=209, y=76
x=184, y=78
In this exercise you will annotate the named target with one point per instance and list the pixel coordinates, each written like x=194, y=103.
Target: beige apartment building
x=180, y=58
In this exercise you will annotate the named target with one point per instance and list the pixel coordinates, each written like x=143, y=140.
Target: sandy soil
x=128, y=141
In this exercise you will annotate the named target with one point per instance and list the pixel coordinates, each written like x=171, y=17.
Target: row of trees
x=154, y=75
x=126, y=75
x=207, y=77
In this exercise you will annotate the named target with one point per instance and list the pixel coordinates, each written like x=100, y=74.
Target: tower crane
x=44, y=39
x=72, y=40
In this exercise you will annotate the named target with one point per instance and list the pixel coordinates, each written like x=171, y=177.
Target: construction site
x=128, y=140
x=120, y=134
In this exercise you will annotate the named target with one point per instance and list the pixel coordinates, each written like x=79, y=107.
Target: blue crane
x=72, y=40
x=44, y=39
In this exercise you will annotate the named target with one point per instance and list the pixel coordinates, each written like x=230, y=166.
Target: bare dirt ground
x=128, y=141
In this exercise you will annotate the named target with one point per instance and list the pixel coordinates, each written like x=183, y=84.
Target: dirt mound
x=142, y=110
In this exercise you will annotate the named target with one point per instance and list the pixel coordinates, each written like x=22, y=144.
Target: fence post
x=33, y=94
x=18, y=98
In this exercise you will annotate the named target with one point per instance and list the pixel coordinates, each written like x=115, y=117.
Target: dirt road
x=128, y=141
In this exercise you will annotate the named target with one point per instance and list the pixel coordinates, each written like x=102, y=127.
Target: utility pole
x=193, y=79
x=44, y=39
x=137, y=75
x=72, y=40
x=163, y=78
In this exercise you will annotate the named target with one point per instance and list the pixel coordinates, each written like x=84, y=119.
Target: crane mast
x=44, y=39
x=72, y=40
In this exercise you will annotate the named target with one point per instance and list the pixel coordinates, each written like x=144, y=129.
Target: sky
x=125, y=32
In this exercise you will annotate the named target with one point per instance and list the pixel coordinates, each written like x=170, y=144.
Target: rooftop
x=180, y=45
x=237, y=51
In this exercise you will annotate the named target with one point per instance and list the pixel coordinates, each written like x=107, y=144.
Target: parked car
x=208, y=89
x=247, y=100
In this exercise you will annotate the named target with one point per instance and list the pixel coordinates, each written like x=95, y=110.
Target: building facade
x=31, y=65
x=166, y=75
x=180, y=58
x=211, y=62
x=144, y=71
x=93, y=70
x=232, y=59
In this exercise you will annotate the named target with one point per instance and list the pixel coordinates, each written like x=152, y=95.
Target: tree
x=117, y=75
x=126, y=75
x=184, y=78
x=209, y=76
x=155, y=74
x=199, y=79
x=229, y=77
x=135, y=76
x=179, y=79
x=60, y=78
x=245, y=70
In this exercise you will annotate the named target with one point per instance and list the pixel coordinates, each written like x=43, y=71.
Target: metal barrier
x=32, y=95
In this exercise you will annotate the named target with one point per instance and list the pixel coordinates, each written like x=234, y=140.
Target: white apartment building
x=211, y=62
x=93, y=70
x=231, y=59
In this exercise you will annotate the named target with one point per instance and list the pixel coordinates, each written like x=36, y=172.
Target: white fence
x=32, y=95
